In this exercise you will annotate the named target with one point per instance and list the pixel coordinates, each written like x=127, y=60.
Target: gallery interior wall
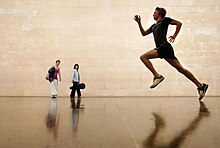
x=103, y=38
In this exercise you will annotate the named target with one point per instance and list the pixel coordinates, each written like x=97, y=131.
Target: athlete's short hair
x=161, y=11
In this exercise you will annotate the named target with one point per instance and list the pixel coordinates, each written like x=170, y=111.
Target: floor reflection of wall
x=178, y=139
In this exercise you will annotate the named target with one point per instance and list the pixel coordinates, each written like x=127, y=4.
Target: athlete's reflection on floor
x=178, y=139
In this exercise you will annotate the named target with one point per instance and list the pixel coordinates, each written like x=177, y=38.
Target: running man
x=164, y=49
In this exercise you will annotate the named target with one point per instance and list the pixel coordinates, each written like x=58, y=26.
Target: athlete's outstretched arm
x=178, y=27
x=137, y=18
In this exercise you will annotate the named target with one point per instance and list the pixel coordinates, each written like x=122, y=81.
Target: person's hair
x=161, y=11
x=57, y=61
x=75, y=66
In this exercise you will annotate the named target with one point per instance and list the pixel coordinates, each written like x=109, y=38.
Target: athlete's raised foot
x=202, y=90
x=157, y=81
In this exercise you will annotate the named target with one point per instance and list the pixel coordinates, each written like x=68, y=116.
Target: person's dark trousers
x=72, y=95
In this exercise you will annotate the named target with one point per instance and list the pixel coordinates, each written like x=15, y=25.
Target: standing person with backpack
x=54, y=73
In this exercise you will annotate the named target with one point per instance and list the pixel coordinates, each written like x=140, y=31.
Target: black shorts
x=165, y=50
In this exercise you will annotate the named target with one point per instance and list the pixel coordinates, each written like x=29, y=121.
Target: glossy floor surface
x=146, y=122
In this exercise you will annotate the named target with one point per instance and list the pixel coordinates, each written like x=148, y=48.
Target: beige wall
x=103, y=38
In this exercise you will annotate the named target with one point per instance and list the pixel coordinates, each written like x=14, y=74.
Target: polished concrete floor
x=137, y=122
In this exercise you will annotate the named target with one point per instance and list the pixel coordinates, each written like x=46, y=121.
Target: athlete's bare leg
x=176, y=64
x=145, y=59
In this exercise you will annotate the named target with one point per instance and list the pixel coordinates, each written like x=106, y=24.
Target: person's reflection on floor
x=179, y=139
x=52, y=120
x=75, y=119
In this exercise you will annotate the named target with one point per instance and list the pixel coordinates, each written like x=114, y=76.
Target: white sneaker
x=156, y=81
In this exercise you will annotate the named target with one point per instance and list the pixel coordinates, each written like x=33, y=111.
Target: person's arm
x=178, y=27
x=137, y=18
x=72, y=76
x=59, y=75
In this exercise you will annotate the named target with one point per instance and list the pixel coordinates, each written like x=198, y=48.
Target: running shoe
x=202, y=90
x=156, y=81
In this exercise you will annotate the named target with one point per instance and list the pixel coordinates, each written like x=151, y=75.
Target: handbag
x=79, y=86
x=47, y=76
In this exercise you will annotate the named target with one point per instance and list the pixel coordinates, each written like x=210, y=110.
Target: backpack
x=50, y=74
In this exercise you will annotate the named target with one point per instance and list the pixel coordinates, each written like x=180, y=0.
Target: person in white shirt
x=75, y=81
